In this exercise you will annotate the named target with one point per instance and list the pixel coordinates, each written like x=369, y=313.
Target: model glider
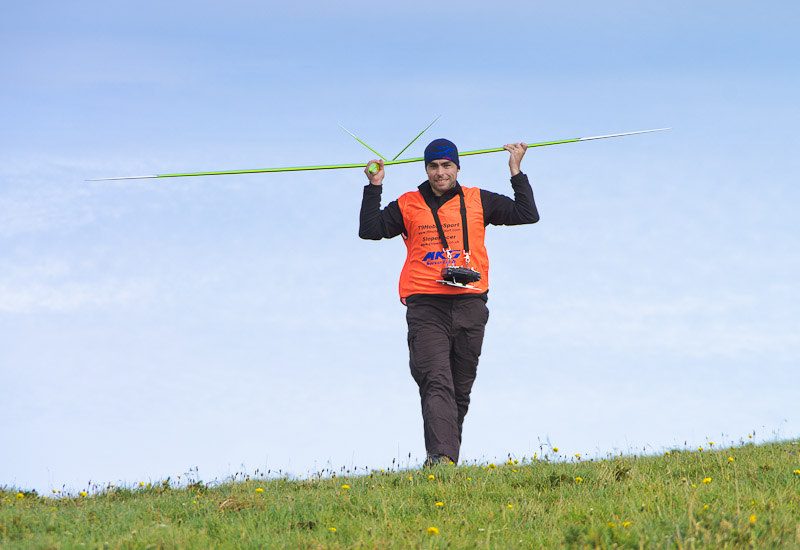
x=373, y=167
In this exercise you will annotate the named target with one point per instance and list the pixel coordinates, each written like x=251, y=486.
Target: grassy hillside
x=742, y=497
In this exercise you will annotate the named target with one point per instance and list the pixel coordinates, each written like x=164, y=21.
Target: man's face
x=442, y=175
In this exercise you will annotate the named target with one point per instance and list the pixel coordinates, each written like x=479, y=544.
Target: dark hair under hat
x=441, y=149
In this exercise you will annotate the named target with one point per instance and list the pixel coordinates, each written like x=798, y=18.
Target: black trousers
x=445, y=335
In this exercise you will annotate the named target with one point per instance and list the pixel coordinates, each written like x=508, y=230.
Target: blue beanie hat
x=442, y=149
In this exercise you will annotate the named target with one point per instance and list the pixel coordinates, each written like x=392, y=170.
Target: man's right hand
x=377, y=177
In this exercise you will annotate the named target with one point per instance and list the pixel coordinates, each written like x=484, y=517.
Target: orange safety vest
x=426, y=256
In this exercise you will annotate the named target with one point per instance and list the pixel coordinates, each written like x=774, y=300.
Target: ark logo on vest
x=433, y=258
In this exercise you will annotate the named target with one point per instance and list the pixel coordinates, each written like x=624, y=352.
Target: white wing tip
x=624, y=134
x=124, y=178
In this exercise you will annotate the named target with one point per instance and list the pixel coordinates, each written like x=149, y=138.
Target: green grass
x=742, y=497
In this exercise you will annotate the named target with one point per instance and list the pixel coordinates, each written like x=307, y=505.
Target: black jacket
x=376, y=224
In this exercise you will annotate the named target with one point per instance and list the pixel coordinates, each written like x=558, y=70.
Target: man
x=443, y=226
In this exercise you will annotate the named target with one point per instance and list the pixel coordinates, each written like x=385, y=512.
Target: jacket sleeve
x=376, y=224
x=501, y=210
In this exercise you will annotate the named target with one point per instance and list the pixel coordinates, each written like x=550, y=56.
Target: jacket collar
x=432, y=200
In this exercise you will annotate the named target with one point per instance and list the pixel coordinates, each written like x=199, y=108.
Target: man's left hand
x=517, y=151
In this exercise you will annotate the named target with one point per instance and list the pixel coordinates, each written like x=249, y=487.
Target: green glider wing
x=363, y=165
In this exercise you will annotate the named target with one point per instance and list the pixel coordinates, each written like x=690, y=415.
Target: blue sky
x=237, y=322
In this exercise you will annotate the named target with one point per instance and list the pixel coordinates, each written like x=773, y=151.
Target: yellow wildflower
x=797, y=472
x=626, y=523
x=491, y=466
x=20, y=496
x=578, y=479
x=705, y=507
x=332, y=529
x=141, y=484
x=84, y=493
x=699, y=448
x=345, y=487
x=577, y=455
x=431, y=477
x=706, y=480
x=666, y=453
x=555, y=449
x=710, y=443
x=259, y=490
x=439, y=504
x=730, y=459
x=694, y=486
x=433, y=530
x=753, y=519
x=612, y=525
x=510, y=505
